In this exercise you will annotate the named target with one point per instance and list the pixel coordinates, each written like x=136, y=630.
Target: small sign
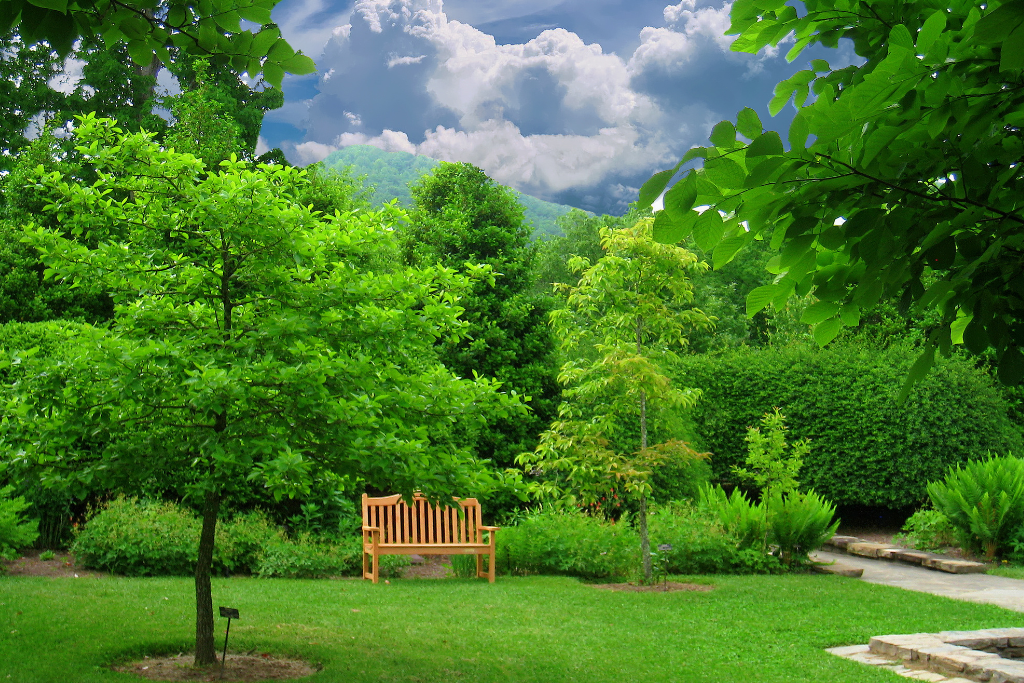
x=229, y=612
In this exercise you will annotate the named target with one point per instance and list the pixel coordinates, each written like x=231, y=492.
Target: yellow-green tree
x=622, y=322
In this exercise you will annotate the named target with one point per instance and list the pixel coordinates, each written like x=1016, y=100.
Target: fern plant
x=742, y=519
x=799, y=523
x=984, y=501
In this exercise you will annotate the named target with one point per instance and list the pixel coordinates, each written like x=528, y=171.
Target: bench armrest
x=488, y=528
x=371, y=528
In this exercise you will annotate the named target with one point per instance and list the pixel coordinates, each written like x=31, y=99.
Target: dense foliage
x=392, y=174
x=463, y=217
x=866, y=448
x=984, y=501
x=16, y=531
x=152, y=30
x=250, y=342
x=904, y=173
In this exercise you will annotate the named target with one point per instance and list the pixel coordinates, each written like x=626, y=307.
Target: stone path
x=994, y=590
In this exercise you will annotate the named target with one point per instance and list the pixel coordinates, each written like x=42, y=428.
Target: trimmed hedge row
x=866, y=449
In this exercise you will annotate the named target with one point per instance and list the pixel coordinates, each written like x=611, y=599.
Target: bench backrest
x=421, y=523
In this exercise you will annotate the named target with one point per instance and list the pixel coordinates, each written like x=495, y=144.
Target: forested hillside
x=390, y=174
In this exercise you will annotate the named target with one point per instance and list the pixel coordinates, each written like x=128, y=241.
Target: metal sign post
x=230, y=613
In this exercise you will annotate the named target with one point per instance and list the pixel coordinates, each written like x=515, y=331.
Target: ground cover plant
x=548, y=629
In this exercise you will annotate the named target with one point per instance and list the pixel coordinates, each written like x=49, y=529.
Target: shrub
x=463, y=566
x=867, y=448
x=15, y=531
x=984, y=501
x=691, y=540
x=799, y=523
x=743, y=520
x=149, y=538
x=928, y=529
x=569, y=543
x=139, y=538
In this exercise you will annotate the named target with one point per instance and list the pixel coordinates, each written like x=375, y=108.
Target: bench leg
x=365, y=564
x=376, y=567
x=479, y=566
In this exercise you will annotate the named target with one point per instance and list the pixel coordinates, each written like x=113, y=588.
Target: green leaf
x=670, y=230
x=900, y=37
x=263, y=40
x=727, y=249
x=850, y=315
x=695, y=153
x=681, y=197
x=818, y=312
x=280, y=51
x=827, y=330
x=140, y=52
x=273, y=74
x=725, y=173
x=299, y=65
x=1011, y=367
x=918, y=371
x=58, y=5
x=229, y=21
x=995, y=26
x=932, y=29
x=255, y=14
x=748, y=123
x=768, y=144
x=723, y=134
x=708, y=230
x=760, y=297
x=653, y=188
x=1012, y=54
x=819, y=65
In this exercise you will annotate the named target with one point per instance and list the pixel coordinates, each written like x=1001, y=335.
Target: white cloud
x=672, y=12
x=306, y=153
x=395, y=60
x=261, y=146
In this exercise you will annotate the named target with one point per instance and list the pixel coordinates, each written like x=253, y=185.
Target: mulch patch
x=62, y=565
x=246, y=668
x=670, y=587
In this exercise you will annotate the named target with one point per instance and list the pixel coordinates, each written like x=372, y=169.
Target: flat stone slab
x=839, y=569
x=865, y=549
x=948, y=656
x=954, y=566
x=856, y=546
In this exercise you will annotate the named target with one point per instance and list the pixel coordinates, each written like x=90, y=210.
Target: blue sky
x=575, y=101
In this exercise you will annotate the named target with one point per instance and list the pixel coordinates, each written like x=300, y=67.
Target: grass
x=543, y=629
x=1010, y=571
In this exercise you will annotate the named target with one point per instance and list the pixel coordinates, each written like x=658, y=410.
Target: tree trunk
x=206, y=650
x=645, y=541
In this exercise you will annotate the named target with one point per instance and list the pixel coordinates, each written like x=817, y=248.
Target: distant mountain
x=391, y=173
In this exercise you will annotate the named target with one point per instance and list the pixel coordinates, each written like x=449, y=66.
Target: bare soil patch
x=62, y=565
x=431, y=567
x=243, y=668
x=670, y=587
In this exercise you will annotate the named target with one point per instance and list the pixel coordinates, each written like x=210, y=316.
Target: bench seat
x=392, y=527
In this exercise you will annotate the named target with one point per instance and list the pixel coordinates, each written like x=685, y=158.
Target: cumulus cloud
x=554, y=116
x=544, y=116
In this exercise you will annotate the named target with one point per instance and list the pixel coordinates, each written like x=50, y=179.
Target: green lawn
x=518, y=630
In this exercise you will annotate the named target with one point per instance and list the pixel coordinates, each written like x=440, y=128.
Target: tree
x=25, y=74
x=461, y=216
x=153, y=28
x=913, y=172
x=621, y=322
x=247, y=344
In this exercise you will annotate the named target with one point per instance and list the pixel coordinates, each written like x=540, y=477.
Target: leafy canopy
x=152, y=29
x=902, y=171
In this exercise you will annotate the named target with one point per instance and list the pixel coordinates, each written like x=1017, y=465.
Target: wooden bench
x=391, y=527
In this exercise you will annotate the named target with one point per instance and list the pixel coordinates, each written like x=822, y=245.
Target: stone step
x=852, y=545
x=839, y=569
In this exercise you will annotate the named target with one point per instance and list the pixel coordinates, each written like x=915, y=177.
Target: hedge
x=866, y=448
